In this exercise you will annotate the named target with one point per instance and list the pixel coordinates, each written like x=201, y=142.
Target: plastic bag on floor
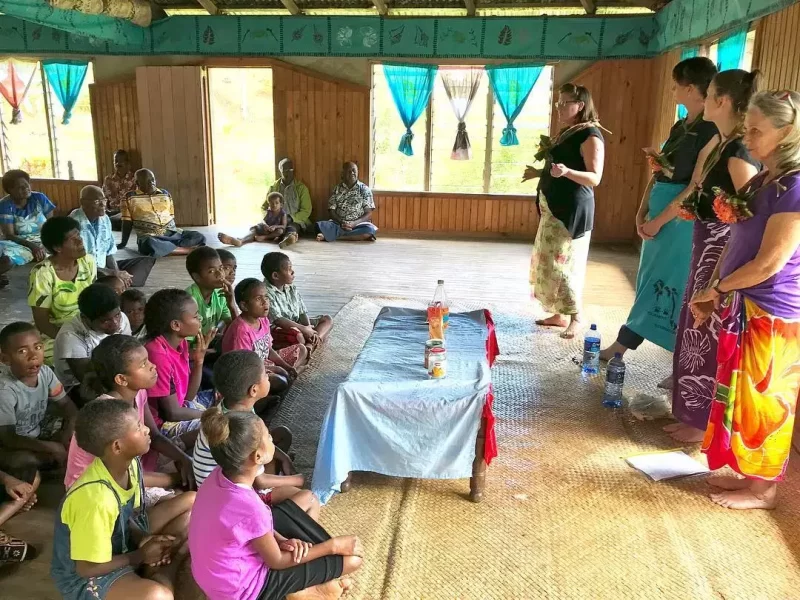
x=647, y=407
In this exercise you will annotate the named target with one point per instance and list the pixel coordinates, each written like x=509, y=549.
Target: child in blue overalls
x=103, y=539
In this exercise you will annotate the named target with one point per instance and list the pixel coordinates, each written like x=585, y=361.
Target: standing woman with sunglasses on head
x=755, y=290
x=667, y=240
x=565, y=199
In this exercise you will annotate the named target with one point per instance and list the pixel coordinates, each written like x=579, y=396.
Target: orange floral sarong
x=758, y=379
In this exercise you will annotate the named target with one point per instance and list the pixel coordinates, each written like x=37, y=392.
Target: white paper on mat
x=666, y=465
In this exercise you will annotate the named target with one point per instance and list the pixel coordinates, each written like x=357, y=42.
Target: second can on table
x=437, y=363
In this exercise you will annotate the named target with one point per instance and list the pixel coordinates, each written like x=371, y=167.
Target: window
x=41, y=144
x=493, y=168
x=712, y=51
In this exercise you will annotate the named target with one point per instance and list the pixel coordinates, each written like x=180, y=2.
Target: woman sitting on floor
x=57, y=282
x=22, y=214
x=756, y=290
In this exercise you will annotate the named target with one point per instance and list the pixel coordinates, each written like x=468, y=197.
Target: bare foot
x=326, y=591
x=288, y=241
x=666, y=383
x=607, y=354
x=572, y=330
x=725, y=482
x=554, y=321
x=230, y=240
x=320, y=237
x=672, y=427
x=689, y=435
x=757, y=496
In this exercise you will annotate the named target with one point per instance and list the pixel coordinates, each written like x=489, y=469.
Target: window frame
x=52, y=131
x=428, y=149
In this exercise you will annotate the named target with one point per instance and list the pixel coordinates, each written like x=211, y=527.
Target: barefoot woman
x=667, y=245
x=758, y=299
x=729, y=167
x=573, y=167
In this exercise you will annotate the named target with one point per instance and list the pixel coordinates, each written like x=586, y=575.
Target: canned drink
x=430, y=345
x=437, y=363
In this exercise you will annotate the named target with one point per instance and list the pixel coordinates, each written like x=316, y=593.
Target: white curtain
x=461, y=85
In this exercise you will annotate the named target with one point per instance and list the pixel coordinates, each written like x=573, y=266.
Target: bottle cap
x=593, y=327
x=440, y=282
x=617, y=355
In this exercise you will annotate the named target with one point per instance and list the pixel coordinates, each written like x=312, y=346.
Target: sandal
x=15, y=550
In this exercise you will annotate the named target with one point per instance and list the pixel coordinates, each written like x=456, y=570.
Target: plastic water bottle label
x=615, y=376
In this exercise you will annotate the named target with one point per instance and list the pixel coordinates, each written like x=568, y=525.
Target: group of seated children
x=121, y=530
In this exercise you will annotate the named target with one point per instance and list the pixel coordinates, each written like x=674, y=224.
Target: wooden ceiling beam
x=292, y=7
x=381, y=7
x=470, y=4
x=589, y=6
x=209, y=5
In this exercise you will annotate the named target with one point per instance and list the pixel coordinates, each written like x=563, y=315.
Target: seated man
x=350, y=207
x=116, y=187
x=99, y=241
x=151, y=212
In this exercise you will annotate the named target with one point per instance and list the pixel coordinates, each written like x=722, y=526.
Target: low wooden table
x=389, y=417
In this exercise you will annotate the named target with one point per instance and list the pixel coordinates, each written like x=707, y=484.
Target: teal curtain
x=730, y=51
x=66, y=78
x=511, y=87
x=411, y=88
x=690, y=52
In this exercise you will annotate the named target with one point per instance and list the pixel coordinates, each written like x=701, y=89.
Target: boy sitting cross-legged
x=241, y=380
x=287, y=311
x=100, y=316
x=211, y=291
x=32, y=436
x=105, y=544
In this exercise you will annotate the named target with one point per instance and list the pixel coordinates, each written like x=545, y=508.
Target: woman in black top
x=728, y=167
x=667, y=245
x=565, y=199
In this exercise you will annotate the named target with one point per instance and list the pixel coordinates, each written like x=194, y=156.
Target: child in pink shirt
x=243, y=550
x=176, y=400
x=121, y=370
x=251, y=331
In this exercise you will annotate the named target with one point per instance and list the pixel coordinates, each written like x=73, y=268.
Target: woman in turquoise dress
x=22, y=214
x=667, y=239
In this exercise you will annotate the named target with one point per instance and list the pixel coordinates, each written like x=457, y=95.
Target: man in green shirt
x=296, y=198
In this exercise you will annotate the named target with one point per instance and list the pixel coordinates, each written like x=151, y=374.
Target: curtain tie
x=462, y=127
x=405, y=143
x=16, y=116
x=509, y=136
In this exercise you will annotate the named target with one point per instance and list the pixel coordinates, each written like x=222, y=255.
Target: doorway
x=242, y=141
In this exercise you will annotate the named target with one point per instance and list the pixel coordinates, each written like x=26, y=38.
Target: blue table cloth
x=388, y=417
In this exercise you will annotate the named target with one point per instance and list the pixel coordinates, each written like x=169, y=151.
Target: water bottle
x=591, y=351
x=615, y=379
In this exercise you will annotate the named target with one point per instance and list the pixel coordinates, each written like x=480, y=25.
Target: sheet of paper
x=666, y=465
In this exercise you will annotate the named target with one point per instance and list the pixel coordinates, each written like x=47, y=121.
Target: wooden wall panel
x=173, y=129
x=65, y=194
x=458, y=215
x=320, y=123
x=777, y=49
x=115, y=117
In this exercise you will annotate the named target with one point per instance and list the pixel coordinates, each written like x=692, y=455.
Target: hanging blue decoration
x=66, y=78
x=511, y=87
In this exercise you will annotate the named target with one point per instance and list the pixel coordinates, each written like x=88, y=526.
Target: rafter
x=292, y=7
x=209, y=5
x=589, y=6
x=380, y=5
x=470, y=4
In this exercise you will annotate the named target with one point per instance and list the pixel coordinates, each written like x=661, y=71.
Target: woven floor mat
x=564, y=516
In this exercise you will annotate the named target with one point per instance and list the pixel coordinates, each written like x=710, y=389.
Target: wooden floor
x=329, y=275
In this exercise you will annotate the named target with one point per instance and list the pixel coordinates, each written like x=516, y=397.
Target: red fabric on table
x=492, y=352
